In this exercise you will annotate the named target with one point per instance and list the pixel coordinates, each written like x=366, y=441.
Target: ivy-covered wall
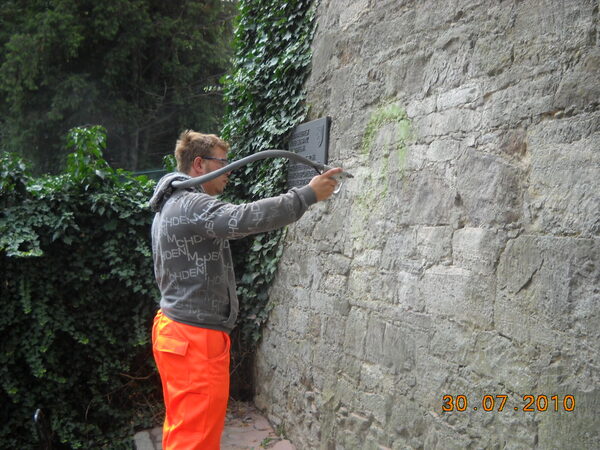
x=265, y=100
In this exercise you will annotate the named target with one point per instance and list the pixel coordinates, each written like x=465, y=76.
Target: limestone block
x=279, y=312
x=491, y=56
x=506, y=362
x=378, y=439
x=371, y=289
x=544, y=289
x=520, y=261
x=441, y=150
x=346, y=137
x=304, y=226
x=386, y=38
x=421, y=107
x=333, y=284
x=323, y=303
x=350, y=368
x=565, y=176
x=398, y=348
x=431, y=375
x=345, y=391
x=489, y=189
x=438, y=437
x=374, y=340
x=459, y=294
x=279, y=293
x=340, y=95
x=338, y=263
x=424, y=198
x=302, y=296
x=350, y=11
x=298, y=321
x=404, y=425
x=367, y=258
x=400, y=248
x=452, y=51
x=369, y=92
x=300, y=272
x=328, y=225
x=405, y=75
x=416, y=159
x=407, y=293
x=371, y=377
x=466, y=95
x=580, y=87
x=575, y=429
x=500, y=109
x=293, y=365
x=355, y=333
x=264, y=365
x=387, y=288
x=477, y=249
x=559, y=27
x=443, y=123
x=314, y=326
x=510, y=145
x=324, y=56
x=434, y=244
x=359, y=285
x=329, y=355
x=373, y=405
x=452, y=340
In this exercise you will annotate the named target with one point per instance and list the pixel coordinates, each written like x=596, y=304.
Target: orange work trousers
x=193, y=364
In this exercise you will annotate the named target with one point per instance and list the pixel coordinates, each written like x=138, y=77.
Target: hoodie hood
x=164, y=190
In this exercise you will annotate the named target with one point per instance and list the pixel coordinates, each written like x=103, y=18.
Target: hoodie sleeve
x=228, y=221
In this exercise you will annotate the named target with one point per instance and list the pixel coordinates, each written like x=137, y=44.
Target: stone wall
x=463, y=258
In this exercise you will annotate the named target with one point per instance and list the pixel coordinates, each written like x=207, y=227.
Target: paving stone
x=143, y=441
x=283, y=445
x=245, y=428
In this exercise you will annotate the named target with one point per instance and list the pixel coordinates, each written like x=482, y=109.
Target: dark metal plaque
x=311, y=140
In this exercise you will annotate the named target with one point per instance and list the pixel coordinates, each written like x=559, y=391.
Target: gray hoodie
x=190, y=244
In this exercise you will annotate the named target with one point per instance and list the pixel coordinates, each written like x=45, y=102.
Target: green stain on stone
x=404, y=133
x=389, y=113
x=376, y=169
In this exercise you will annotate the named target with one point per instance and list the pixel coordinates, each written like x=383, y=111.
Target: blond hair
x=192, y=144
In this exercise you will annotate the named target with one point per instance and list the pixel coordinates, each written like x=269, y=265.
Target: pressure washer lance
x=320, y=168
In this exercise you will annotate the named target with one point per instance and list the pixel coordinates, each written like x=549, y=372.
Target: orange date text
x=501, y=402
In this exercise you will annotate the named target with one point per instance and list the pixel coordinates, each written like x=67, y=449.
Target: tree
x=140, y=68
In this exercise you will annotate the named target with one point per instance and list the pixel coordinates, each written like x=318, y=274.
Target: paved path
x=245, y=428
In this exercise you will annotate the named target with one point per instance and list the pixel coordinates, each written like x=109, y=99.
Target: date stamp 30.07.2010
x=501, y=402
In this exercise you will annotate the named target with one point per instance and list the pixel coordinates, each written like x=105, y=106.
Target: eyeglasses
x=223, y=162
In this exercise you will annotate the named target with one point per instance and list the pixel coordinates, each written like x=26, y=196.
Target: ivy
x=78, y=296
x=265, y=97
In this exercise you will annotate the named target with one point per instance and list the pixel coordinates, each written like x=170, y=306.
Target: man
x=194, y=271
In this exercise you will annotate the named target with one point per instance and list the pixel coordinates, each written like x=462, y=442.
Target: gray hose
x=320, y=168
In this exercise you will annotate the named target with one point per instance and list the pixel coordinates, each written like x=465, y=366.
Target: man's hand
x=324, y=184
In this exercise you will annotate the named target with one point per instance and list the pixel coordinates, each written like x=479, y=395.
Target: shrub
x=78, y=296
